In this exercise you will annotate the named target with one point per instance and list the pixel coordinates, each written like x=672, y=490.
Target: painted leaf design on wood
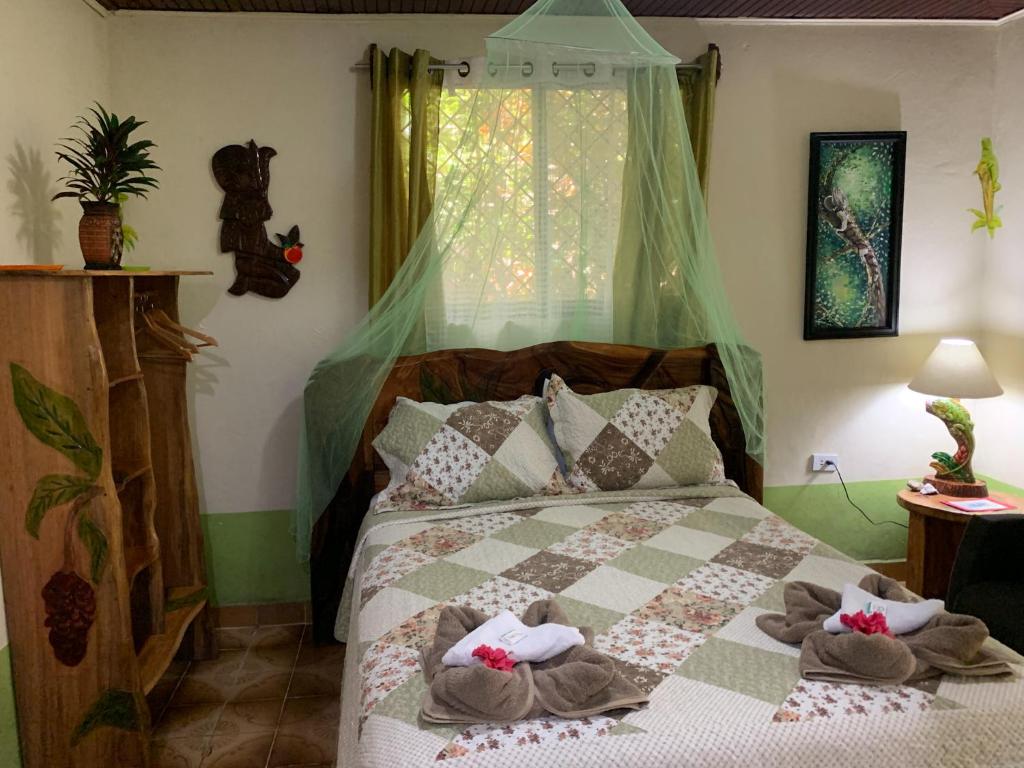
x=95, y=541
x=52, y=491
x=56, y=421
x=115, y=709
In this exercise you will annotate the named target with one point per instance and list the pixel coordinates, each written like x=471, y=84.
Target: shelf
x=121, y=481
x=138, y=413
x=162, y=358
x=103, y=273
x=137, y=558
x=183, y=605
x=112, y=312
x=124, y=379
x=129, y=426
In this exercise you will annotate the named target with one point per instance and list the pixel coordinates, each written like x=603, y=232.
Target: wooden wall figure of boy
x=243, y=172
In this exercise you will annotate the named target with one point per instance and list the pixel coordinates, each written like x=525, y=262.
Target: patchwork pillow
x=444, y=456
x=635, y=438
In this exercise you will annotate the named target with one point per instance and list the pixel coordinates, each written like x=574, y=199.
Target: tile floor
x=270, y=699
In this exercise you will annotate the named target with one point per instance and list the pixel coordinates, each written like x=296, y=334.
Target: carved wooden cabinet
x=101, y=551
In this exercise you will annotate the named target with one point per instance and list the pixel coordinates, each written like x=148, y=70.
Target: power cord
x=830, y=463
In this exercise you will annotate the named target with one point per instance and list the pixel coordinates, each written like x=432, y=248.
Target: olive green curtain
x=697, y=88
x=403, y=157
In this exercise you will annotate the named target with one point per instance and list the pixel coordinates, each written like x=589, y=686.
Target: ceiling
x=774, y=9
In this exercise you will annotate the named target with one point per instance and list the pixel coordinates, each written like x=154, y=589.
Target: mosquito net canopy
x=568, y=209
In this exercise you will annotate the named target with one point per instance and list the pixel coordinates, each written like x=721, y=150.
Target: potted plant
x=106, y=168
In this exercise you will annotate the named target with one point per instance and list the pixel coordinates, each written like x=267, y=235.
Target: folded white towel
x=901, y=617
x=521, y=642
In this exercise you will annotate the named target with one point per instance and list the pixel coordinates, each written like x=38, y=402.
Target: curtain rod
x=464, y=68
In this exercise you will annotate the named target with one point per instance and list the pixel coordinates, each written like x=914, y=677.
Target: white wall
x=54, y=60
x=53, y=56
x=1000, y=420
x=781, y=82
x=286, y=81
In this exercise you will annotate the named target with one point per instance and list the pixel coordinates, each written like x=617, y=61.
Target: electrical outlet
x=818, y=462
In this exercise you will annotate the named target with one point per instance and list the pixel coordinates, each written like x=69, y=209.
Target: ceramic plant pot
x=99, y=234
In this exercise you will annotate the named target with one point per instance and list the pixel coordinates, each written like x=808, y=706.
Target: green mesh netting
x=569, y=209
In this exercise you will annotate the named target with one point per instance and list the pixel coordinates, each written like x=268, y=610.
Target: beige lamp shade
x=956, y=369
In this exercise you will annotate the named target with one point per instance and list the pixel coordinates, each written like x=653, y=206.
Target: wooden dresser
x=101, y=551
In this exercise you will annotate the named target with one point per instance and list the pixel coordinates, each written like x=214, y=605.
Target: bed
x=670, y=579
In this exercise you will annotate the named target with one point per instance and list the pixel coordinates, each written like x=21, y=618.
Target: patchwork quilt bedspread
x=671, y=582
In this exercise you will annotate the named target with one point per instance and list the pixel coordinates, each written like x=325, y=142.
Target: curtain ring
x=463, y=69
x=492, y=69
x=589, y=69
x=554, y=68
x=527, y=68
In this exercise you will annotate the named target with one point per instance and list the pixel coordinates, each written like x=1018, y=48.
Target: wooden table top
x=932, y=505
x=29, y=272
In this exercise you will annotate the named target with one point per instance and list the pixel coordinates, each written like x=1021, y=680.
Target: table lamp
x=955, y=369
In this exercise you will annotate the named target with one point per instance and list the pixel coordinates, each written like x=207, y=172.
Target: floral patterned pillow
x=635, y=438
x=442, y=456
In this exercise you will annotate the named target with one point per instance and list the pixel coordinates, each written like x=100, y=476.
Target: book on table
x=977, y=505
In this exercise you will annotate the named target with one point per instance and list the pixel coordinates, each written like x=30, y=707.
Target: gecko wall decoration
x=987, y=172
x=243, y=172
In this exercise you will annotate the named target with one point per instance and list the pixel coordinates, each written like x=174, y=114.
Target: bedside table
x=933, y=537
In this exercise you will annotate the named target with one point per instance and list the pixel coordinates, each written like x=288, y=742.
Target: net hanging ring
x=589, y=69
x=463, y=69
x=527, y=68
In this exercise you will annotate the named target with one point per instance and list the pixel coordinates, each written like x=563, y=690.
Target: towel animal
x=947, y=643
x=578, y=682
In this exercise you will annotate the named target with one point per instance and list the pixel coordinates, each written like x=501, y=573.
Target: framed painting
x=854, y=221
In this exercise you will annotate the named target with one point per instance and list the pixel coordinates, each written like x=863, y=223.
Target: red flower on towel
x=495, y=658
x=874, y=624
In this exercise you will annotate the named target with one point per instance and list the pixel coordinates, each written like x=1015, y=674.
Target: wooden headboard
x=452, y=376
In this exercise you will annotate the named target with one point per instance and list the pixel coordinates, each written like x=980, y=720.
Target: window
x=534, y=251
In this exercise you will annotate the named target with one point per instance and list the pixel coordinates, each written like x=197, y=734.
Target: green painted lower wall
x=250, y=558
x=10, y=755
x=821, y=509
x=999, y=485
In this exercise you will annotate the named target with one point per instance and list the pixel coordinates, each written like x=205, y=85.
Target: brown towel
x=949, y=643
x=856, y=658
x=577, y=683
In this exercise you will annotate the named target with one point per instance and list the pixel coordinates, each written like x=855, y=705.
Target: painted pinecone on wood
x=70, y=610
